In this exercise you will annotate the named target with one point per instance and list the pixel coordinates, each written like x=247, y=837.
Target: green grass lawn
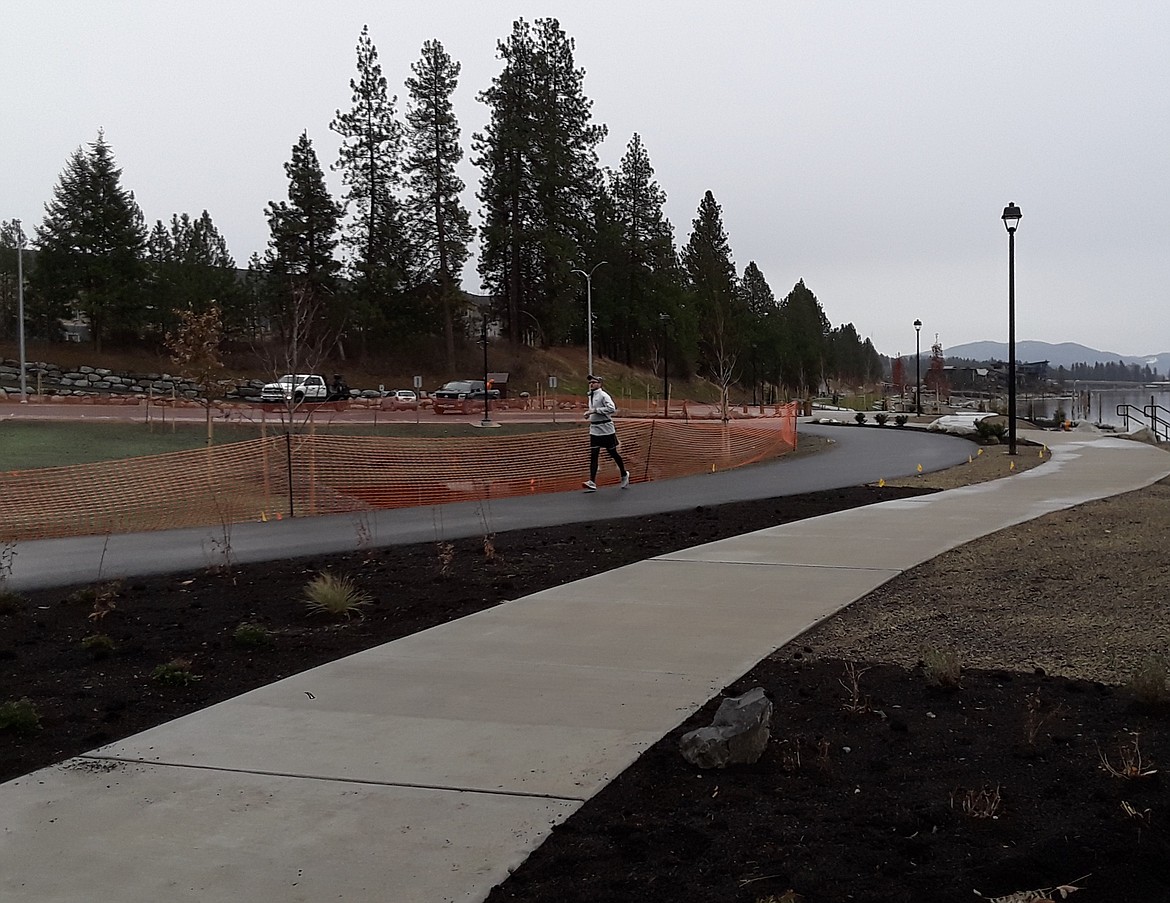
x=30, y=444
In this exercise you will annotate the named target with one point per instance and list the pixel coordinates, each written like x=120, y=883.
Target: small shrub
x=446, y=551
x=19, y=716
x=901, y=420
x=336, y=596
x=252, y=636
x=1038, y=716
x=1130, y=763
x=941, y=667
x=1149, y=683
x=989, y=431
x=859, y=417
x=856, y=704
x=882, y=418
x=982, y=803
x=10, y=603
x=93, y=594
x=176, y=672
x=99, y=645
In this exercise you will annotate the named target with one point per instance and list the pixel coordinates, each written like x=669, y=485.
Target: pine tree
x=380, y=257
x=646, y=267
x=711, y=282
x=11, y=236
x=190, y=267
x=762, y=339
x=806, y=330
x=90, y=246
x=441, y=225
x=299, y=261
x=538, y=156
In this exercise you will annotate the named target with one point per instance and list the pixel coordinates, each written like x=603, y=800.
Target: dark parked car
x=462, y=396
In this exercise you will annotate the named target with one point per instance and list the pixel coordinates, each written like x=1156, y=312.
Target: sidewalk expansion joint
x=333, y=779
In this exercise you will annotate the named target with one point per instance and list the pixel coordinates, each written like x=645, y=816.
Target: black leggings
x=610, y=444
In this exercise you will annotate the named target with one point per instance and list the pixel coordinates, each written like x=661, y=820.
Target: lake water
x=1096, y=405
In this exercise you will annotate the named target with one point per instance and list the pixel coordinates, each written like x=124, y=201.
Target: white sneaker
x=590, y=486
x=626, y=480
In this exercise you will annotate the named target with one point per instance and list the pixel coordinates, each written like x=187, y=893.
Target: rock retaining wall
x=45, y=379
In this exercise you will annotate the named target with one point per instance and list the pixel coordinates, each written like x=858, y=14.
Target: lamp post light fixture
x=917, y=368
x=1011, y=219
x=589, y=312
x=20, y=307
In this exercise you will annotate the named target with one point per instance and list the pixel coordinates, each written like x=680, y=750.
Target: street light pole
x=1011, y=219
x=20, y=307
x=487, y=417
x=917, y=368
x=589, y=312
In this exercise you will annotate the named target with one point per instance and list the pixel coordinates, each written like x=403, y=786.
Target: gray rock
x=739, y=733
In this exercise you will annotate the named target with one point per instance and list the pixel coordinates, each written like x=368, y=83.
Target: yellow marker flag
x=264, y=516
x=920, y=469
x=881, y=483
x=1013, y=466
x=978, y=452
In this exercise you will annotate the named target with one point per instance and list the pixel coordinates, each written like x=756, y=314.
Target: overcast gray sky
x=866, y=147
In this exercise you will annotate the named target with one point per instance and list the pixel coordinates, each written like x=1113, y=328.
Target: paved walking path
x=424, y=769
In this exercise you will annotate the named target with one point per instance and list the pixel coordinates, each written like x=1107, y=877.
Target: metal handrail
x=1152, y=415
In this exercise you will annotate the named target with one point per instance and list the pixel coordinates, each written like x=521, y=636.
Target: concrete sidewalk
x=425, y=769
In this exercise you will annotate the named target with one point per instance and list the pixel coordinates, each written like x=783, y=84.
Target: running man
x=602, y=433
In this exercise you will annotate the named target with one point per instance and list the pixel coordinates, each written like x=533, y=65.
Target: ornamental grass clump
x=176, y=672
x=941, y=668
x=335, y=596
x=252, y=636
x=1149, y=684
x=19, y=716
x=98, y=645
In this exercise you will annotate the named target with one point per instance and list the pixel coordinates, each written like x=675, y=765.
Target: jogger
x=602, y=433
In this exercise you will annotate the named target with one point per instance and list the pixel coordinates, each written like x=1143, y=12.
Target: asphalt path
x=857, y=455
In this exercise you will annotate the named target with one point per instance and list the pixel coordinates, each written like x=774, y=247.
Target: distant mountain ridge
x=1064, y=354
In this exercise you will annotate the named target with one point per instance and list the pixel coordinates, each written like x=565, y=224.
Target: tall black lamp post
x=1011, y=219
x=664, y=319
x=487, y=417
x=917, y=367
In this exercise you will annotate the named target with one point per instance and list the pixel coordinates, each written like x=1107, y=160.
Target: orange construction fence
x=303, y=474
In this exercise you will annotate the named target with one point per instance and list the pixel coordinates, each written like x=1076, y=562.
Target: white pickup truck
x=296, y=387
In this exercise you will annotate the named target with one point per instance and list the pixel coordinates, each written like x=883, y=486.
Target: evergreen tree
x=380, y=257
x=299, y=261
x=441, y=225
x=90, y=247
x=645, y=267
x=762, y=339
x=190, y=268
x=806, y=332
x=538, y=156
x=11, y=236
x=710, y=277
